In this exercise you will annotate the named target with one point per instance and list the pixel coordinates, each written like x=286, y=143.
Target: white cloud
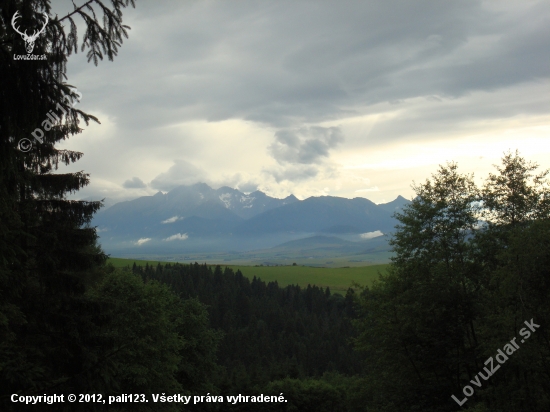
x=142, y=241
x=371, y=235
x=177, y=236
x=171, y=220
x=182, y=172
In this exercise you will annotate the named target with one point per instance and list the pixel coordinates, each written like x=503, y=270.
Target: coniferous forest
x=460, y=322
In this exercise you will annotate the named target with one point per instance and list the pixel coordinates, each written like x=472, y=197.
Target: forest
x=460, y=321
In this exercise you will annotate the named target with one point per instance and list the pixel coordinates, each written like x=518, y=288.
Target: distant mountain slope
x=320, y=214
x=199, y=200
x=395, y=205
x=314, y=242
x=247, y=206
x=323, y=244
x=198, y=217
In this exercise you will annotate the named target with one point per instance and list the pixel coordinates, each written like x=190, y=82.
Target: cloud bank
x=313, y=97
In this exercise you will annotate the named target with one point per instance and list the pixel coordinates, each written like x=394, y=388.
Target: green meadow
x=337, y=279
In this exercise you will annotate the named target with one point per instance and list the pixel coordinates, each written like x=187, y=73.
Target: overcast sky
x=340, y=98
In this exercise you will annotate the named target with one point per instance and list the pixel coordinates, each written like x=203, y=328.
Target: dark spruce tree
x=48, y=257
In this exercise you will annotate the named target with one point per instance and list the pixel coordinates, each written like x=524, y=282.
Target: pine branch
x=77, y=10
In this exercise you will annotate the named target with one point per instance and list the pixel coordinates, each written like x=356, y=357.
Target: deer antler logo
x=29, y=40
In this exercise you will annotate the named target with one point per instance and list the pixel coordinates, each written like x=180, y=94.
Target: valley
x=338, y=279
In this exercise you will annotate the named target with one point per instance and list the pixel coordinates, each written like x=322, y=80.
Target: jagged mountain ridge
x=395, y=205
x=324, y=214
x=146, y=214
x=199, y=214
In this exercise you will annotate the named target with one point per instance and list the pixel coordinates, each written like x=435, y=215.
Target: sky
x=313, y=98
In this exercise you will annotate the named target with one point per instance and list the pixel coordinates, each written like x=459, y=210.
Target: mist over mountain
x=198, y=218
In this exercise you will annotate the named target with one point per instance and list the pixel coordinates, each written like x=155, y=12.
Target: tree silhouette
x=48, y=255
x=471, y=266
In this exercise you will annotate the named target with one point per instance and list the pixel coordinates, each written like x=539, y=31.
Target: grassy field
x=337, y=279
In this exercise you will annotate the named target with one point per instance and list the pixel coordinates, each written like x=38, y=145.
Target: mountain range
x=198, y=218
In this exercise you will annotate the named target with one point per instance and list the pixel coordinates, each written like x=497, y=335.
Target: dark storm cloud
x=418, y=70
x=283, y=63
x=134, y=183
x=305, y=145
x=435, y=118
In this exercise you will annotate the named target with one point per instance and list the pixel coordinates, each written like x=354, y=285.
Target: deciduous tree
x=417, y=323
